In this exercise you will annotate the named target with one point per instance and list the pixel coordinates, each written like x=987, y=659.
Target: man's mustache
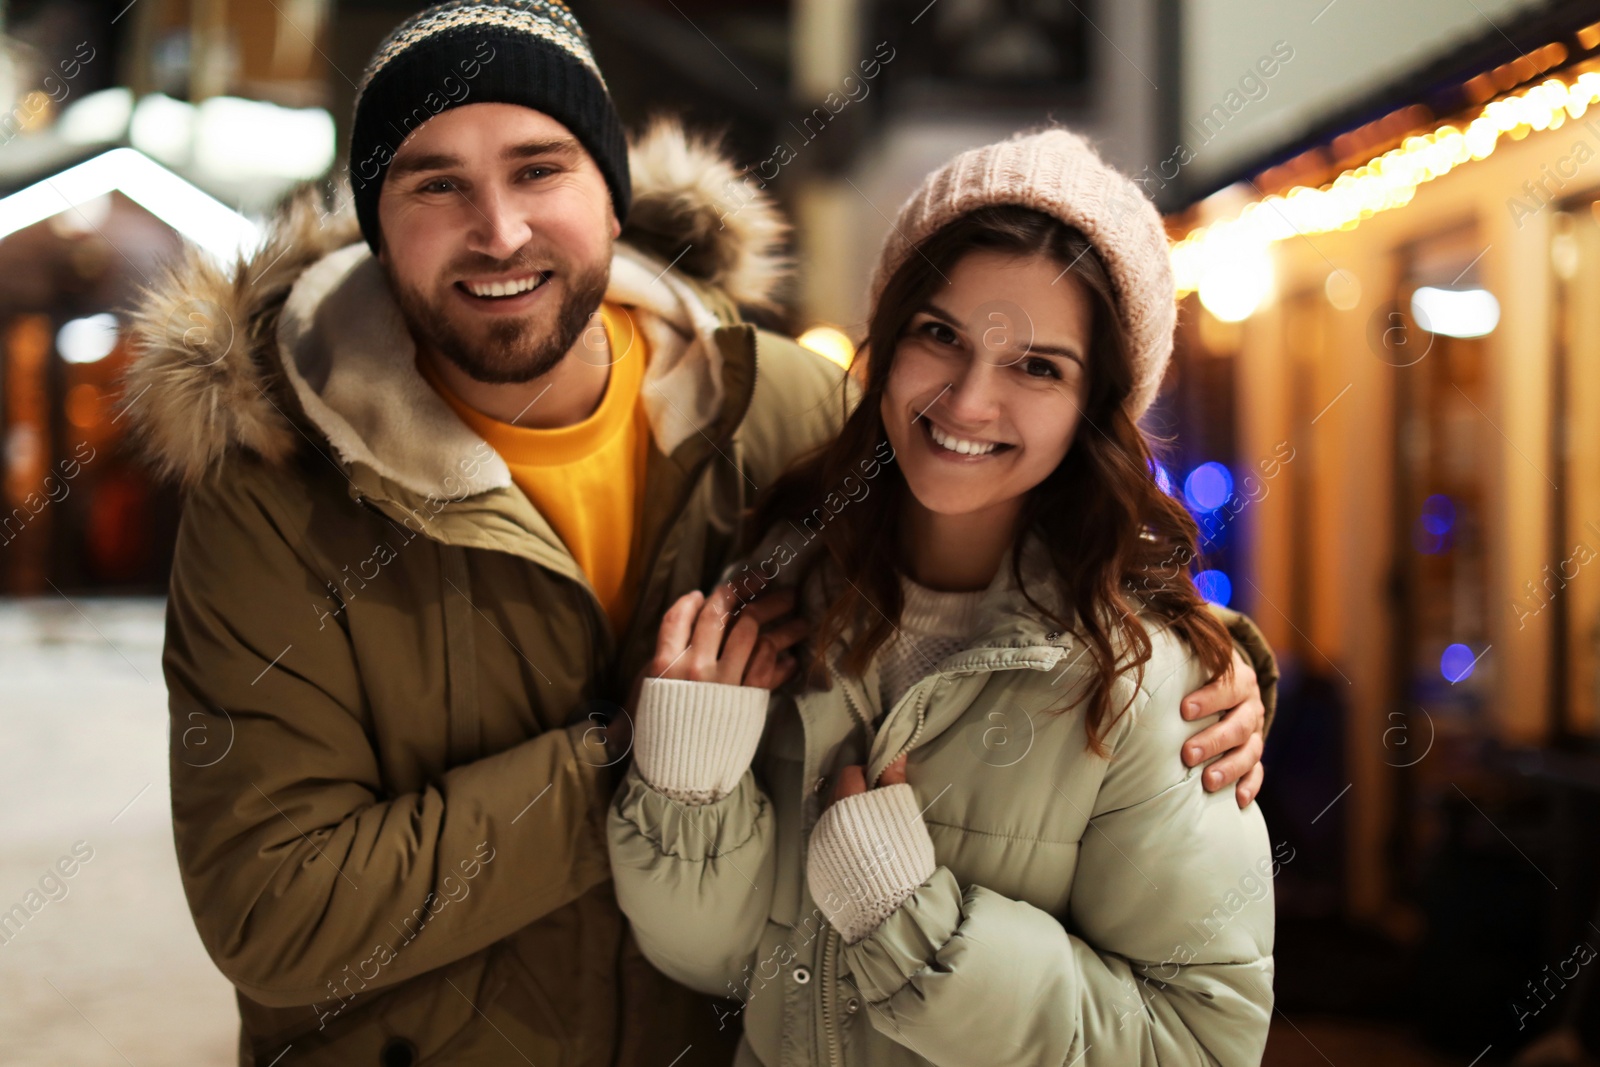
x=521, y=262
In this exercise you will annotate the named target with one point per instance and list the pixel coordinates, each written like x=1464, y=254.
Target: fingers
x=768, y=606
x=784, y=669
x=677, y=626
x=1234, y=687
x=787, y=634
x=1249, y=786
x=1231, y=731
x=736, y=654
x=762, y=669
x=1234, y=765
x=895, y=773
x=852, y=780
x=709, y=626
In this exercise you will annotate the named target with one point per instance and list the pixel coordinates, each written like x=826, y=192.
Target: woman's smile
x=958, y=448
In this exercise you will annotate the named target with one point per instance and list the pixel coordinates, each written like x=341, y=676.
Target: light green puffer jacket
x=1083, y=910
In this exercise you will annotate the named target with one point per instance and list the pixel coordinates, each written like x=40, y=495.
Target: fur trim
x=206, y=348
x=693, y=207
x=207, y=376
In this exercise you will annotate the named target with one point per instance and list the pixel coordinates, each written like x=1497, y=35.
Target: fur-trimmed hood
x=223, y=355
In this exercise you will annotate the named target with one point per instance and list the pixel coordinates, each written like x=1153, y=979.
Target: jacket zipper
x=830, y=944
x=829, y=1031
x=850, y=703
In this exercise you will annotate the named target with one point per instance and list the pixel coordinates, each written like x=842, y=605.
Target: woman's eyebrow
x=1060, y=351
x=1055, y=350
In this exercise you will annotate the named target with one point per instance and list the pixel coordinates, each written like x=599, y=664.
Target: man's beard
x=507, y=350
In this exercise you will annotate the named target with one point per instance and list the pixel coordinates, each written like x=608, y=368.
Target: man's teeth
x=511, y=288
x=957, y=444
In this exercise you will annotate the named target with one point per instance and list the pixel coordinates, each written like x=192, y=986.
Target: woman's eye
x=1038, y=367
x=940, y=333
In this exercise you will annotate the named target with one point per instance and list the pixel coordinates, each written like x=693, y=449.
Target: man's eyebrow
x=1032, y=349
x=420, y=164
x=555, y=146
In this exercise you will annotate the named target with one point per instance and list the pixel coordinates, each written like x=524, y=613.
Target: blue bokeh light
x=1457, y=663
x=1208, y=487
x=1438, y=514
x=1215, y=586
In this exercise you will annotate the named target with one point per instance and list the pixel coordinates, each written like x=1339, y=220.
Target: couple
x=462, y=468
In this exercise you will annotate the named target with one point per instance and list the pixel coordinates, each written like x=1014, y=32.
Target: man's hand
x=1238, y=734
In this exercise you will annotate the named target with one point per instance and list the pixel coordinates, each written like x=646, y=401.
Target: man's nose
x=499, y=228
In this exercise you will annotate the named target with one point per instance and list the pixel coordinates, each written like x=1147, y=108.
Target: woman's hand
x=869, y=851
x=696, y=642
x=853, y=779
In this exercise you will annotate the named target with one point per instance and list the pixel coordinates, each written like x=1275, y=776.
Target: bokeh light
x=1438, y=514
x=1208, y=487
x=1457, y=663
x=1215, y=586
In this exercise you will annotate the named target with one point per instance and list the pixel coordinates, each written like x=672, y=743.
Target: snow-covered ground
x=108, y=969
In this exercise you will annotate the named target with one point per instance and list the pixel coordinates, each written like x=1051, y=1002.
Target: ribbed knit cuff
x=694, y=740
x=868, y=853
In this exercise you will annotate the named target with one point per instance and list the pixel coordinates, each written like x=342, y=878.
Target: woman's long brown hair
x=1111, y=533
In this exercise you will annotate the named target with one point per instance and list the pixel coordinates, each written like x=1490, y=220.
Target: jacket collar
x=347, y=356
x=1011, y=634
x=1007, y=624
x=223, y=365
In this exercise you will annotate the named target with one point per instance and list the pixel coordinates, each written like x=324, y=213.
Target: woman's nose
x=971, y=398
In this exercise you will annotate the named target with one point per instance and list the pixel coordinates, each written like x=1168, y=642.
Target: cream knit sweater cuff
x=694, y=740
x=868, y=853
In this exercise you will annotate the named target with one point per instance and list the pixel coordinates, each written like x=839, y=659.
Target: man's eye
x=436, y=185
x=539, y=171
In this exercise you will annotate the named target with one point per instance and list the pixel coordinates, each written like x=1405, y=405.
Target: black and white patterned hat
x=528, y=52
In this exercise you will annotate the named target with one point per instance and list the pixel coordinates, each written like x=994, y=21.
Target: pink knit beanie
x=1057, y=172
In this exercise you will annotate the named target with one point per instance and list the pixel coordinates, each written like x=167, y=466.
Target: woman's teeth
x=511, y=288
x=961, y=445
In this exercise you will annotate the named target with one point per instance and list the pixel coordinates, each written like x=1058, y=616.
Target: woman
x=1016, y=866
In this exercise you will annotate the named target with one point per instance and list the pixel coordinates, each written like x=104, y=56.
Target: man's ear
x=616, y=227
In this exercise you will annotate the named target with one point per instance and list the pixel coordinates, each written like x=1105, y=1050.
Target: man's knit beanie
x=1057, y=172
x=528, y=52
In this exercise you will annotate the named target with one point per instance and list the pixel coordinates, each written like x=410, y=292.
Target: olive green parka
x=388, y=793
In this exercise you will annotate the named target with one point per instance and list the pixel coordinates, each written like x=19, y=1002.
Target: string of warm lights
x=1226, y=261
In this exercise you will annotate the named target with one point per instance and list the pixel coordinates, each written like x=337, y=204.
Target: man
x=442, y=485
